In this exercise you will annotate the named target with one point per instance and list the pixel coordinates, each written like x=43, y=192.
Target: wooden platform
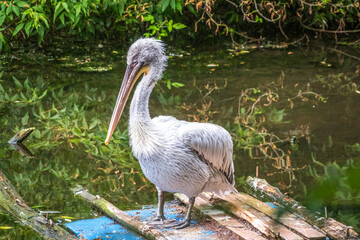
x=235, y=216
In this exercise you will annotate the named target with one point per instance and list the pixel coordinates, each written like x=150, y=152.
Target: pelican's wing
x=213, y=143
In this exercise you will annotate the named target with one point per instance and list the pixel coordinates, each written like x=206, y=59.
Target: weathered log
x=262, y=190
x=121, y=217
x=21, y=135
x=11, y=201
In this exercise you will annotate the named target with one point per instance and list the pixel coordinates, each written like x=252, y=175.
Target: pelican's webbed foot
x=179, y=225
x=186, y=222
x=160, y=220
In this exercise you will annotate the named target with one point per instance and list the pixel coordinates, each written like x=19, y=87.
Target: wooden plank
x=222, y=218
x=332, y=228
x=265, y=224
x=292, y=221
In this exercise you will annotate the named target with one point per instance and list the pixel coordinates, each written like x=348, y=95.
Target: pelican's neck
x=143, y=134
x=139, y=108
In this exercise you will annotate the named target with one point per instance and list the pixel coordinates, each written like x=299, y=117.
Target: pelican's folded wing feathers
x=213, y=143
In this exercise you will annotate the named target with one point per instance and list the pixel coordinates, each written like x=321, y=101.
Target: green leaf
x=179, y=26
x=58, y=10
x=121, y=7
x=23, y=97
x=27, y=28
x=62, y=19
x=41, y=34
x=191, y=8
x=77, y=9
x=93, y=123
x=8, y=9
x=22, y=4
x=2, y=19
x=17, y=83
x=177, y=84
x=16, y=10
x=164, y=4
x=179, y=6
x=25, y=119
x=173, y=4
x=44, y=94
x=44, y=20
x=2, y=40
x=72, y=16
x=148, y=18
x=65, y=5
x=170, y=25
x=18, y=28
x=84, y=123
x=27, y=85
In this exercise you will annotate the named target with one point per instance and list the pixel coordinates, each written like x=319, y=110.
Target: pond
x=293, y=114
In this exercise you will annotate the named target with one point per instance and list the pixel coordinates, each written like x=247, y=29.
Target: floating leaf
x=5, y=227
x=67, y=217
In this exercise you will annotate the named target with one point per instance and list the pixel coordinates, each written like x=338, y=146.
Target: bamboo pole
x=262, y=190
x=12, y=202
x=118, y=215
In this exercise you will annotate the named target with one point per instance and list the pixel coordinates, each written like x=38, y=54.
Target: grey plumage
x=177, y=156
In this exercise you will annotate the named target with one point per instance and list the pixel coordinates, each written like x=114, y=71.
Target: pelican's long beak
x=131, y=75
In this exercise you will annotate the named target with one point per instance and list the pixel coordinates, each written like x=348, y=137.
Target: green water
x=71, y=121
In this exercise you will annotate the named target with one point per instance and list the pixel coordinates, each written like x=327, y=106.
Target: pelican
x=176, y=156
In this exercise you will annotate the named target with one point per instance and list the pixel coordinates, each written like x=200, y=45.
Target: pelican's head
x=145, y=56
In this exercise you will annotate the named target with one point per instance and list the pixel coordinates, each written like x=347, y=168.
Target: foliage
x=336, y=188
x=336, y=18
x=22, y=94
x=29, y=19
x=119, y=19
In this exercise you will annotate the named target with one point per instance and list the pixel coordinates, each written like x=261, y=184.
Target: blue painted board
x=103, y=228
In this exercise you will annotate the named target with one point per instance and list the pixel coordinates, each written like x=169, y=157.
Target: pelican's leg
x=160, y=218
x=186, y=222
